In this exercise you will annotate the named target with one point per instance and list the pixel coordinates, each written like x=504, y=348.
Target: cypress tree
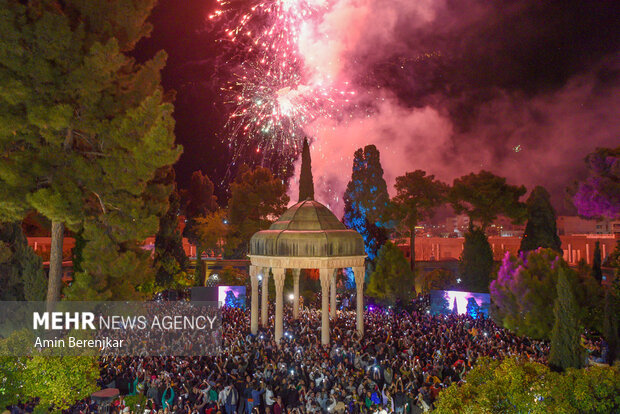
x=476, y=261
x=597, y=273
x=170, y=258
x=541, y=228
x=566, y=349
x=366, y=199
x=611, y=310
x=306, y=183
x=199, y=201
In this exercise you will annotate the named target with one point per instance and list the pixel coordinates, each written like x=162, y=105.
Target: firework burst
x=272, y=93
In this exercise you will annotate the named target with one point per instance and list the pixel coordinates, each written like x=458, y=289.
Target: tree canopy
x=257, y=198
x=541, y=229
x=417, y=197
x=366, y=199
x=566, y=351
x=169, y=259
x=198, y=201
x=520, y=386
x=56, y=381
x=476, y=261
x=598, y=196
x=84, y=127
x=437, y=279
x=484, y=196
x=525, y=290
x=21, y=270
x=392, y=279
x=211, y=231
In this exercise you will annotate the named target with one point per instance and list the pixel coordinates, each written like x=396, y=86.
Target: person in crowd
x=400, y=365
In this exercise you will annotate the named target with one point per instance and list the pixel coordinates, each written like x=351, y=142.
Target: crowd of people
x=400, y=365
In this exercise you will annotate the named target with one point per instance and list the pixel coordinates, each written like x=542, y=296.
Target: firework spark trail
x=272, y=93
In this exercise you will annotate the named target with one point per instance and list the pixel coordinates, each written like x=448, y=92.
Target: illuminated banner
x=448, y=302
x=110, y=328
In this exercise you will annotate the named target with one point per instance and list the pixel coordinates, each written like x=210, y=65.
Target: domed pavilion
x=307, y=236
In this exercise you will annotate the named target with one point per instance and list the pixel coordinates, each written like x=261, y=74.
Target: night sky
x=522, y=88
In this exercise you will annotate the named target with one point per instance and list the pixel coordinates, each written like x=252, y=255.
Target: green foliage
x=417, y=197
x=84, y=127
x=509, y=386
x=366, y=200
x=306, y=183
x=21, y=270
x=438, y=279
x=476, y=262
x=541, y=229
x=519, y=386
x=229, y=276
x=592, y=390
x=392, y=278
x=590, y=297
x=484, y=196
x=199, y=201
x=524, y=292
x=170, y=259
x=598, y=196
x=566, y=351
x=211, y=231
x=56, y=381
x=77, y=253
x=134, y=402
x=257, y=198
x=611, y=324
x=60, y=381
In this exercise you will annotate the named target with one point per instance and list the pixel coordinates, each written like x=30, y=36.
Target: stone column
x=358, y=272
x=296, y=293
x=325, y=276
x=278, y=278
x=264, y=306
x=254, y=307
x=332, y=294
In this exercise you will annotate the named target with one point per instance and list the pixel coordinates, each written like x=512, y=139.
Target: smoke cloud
x=523, y=88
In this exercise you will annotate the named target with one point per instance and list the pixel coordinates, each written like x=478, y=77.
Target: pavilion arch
x=307, y=236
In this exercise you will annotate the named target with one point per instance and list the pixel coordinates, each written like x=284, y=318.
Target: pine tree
x=476, y=261
x=256, y=197
x=597, y=273
x=484, y=196
x=21, y=270
x=417, y=197
x=566, y=349
x=306, y=183
x=366, y=199
x=541, y=229
x=84, y=127
x=170, y=258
